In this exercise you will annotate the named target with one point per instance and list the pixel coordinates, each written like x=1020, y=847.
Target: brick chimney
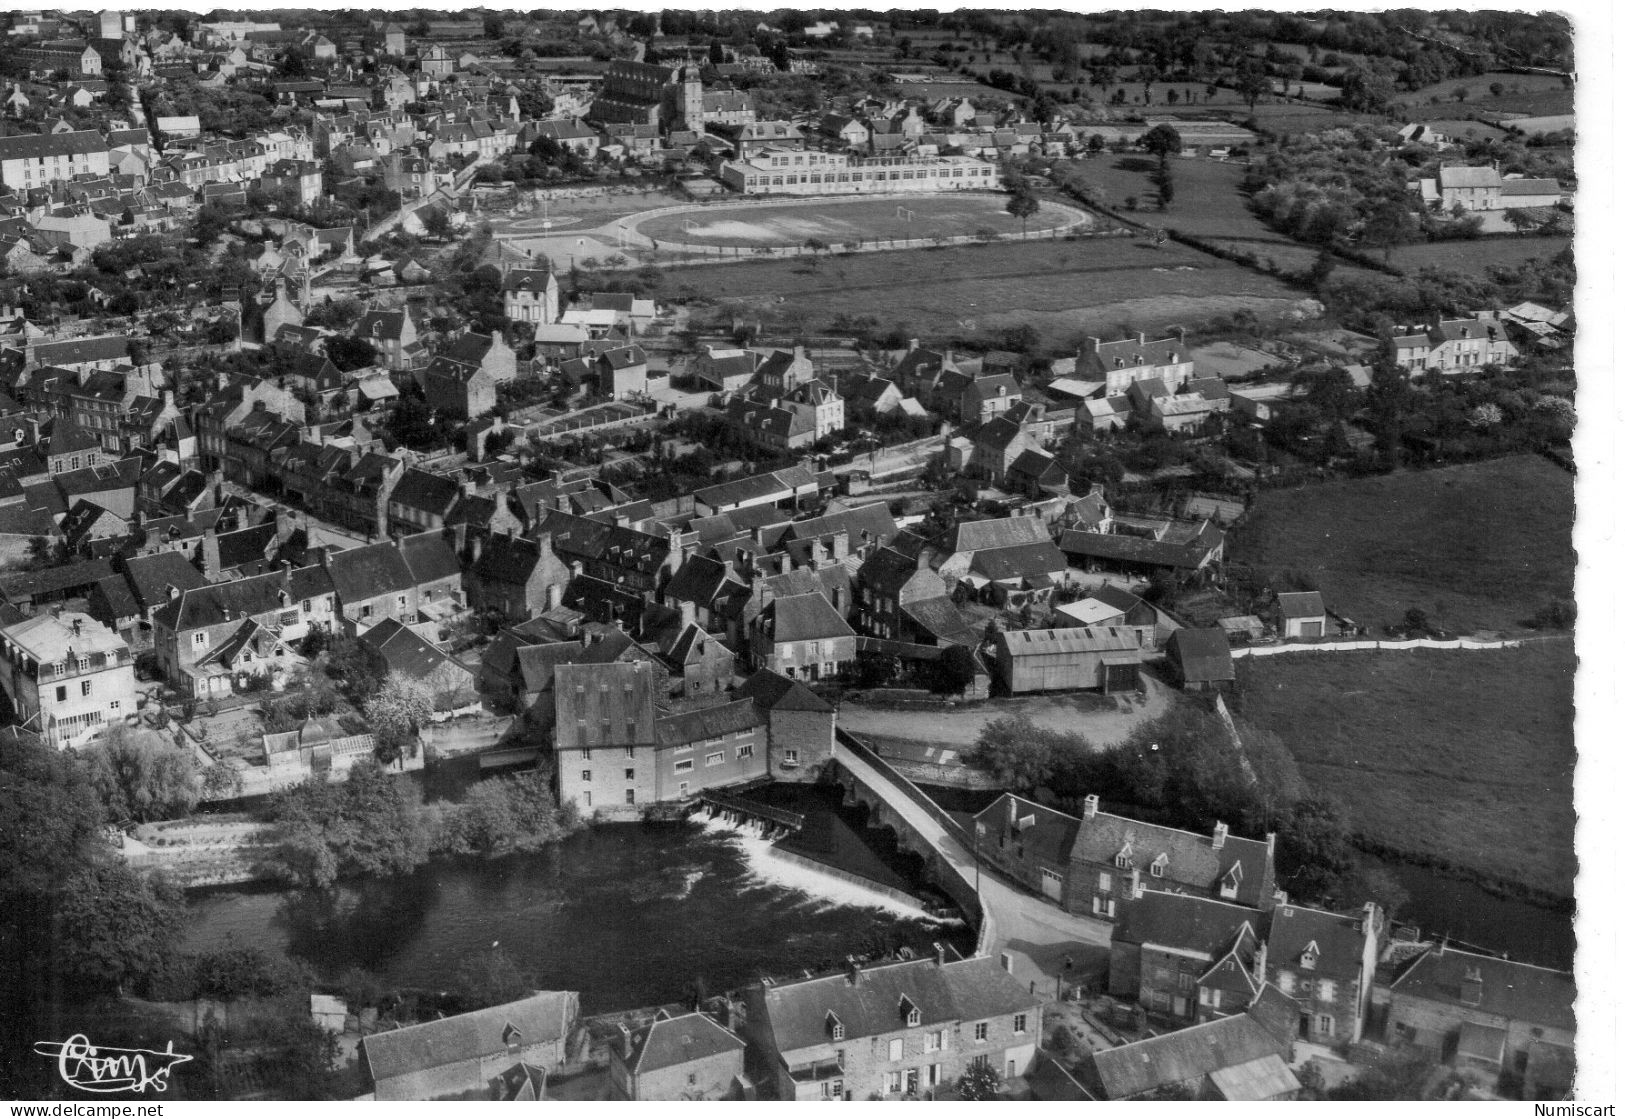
x=626, y=1041
x=854, y=973
x=686, y=610
x=1091, y=805
x=839, y=544
x=1221, y=832
x=1261, y=962
x=1013, y=812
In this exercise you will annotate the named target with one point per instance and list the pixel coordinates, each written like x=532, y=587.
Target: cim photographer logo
x=92, y=1068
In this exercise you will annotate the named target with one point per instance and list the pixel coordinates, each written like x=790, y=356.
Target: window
x=586, y=754
x=586, y=800
x=913, y=1018
x=631, y=753
x=586, y=775
x=980, y=1033
x=744, y=751
x=1021, y=1024
x=1325, y=1023
x=631, y=796
x=1105, y=883
x=933, y=1041
x=837, y=1032
x=1122, y=861
x=199, y=639
x=792, y=757
x=893, y=1083
x=113, y=705
x=1186, y=979
x=895, y=1049
x=682, y=788
x=684, y=766
x=84, y=687
x=84, y=664
x=631, y=775
x=62, y=693
x=714, y=759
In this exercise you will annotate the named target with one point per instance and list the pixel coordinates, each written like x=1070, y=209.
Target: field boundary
x=1367, y=646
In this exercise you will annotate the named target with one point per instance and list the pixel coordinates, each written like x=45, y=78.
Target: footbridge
x=1033, y=937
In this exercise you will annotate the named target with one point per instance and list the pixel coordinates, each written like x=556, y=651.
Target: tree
x=114, y=926
x=502, y=816
x=1162, y=141
x=348, y=352
x=1097, y=143
x=1021, y=755
x=396, y=714
x=1251, y=82
x=1315, y=852
x=980, y=1082
x=370, y=824
x=1460, y=93
x=1390, y=224
x=436, y=223
x=1022, y=205
x=141, y=777
x=489, y=978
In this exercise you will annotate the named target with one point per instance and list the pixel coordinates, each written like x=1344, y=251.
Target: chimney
x=1091, y=805
x=839, y=544
x=555, y=595
x=941, y=952
x=854, y=973
x=1012, y=812
x=210, y=555
x=922, y=562
x=1220, y=833
x=626, y=1042
x=913, y=344
x=1261, y=962
x=784, y=563
x=169, y=398
x=686, y=610
x=1368, y=918
x=1136, y=887
x=78, y=627
x=1141, y=337
x=1094, y=345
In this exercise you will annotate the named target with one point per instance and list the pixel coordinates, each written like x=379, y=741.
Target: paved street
x=1036, y=934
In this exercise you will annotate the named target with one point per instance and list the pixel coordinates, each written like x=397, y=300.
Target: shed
x=1300, y=614
x=1042, y=660
x=1200, y=658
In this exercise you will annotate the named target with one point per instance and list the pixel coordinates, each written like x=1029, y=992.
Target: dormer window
x=1310, y=955
x=1230, y=884
x=910, y=1012
x=1159, y=866
x=837, y=1031
x=1123, y=856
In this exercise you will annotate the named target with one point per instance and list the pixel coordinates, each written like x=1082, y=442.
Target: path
x=1035, y=934
x=961, y=726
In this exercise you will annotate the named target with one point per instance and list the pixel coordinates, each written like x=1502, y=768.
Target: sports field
x=837, y=222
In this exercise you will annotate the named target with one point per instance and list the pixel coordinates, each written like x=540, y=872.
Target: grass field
x=1478, y=547
x=1464, y=756
x=1475, y=256
x=838, y=221
x=1061, y=287
x=1520, y=93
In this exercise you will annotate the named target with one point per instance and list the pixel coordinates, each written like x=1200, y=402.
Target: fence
x=1357, y=646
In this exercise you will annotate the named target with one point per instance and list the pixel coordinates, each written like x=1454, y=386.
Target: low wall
x=1356, y=646
x=846, y=876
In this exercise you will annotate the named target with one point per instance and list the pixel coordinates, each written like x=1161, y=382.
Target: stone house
x=1186, y=958
x=1119, y=364
x=372, y=584
x=516, y=576
x=893, y=1031
x=687, y=1057
x=461, y=1057
x=889, y=581
x=450, y=682
x=67, y=674
x=800, y=726
x=394, y=335
x=802, y=636
x=1327, y=963
x=1508, y=1009
x=1102, y=863
x=530, y=295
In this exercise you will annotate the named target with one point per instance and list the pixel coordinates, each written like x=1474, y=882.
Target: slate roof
x=699, y=580
x=508, y=559
x=1187, y=922
x=1338, y=938
x=573, y=535
x=80, y=351
x=1469, y=177
x=1301, y=604
x=222, y=602
x=758, y=486
x=941, y=619
x=1132, y=549
x=1516, y=991
x=429, y=557
x=366, y=572
x=1018, y=562
x=603, y=705
x=707, y=722
x=961, y=991
x=805, y=617
x=1203, y=654
x=1068, y=639
x=1187, y=1054
x=422, y=490
x=668, y=1042
x=115, y=592
x=150, y=577
x=27, y=584
x=545, y=1016
x=997, y=532
x=405, y=652
x=780, y=693
x=527, y=279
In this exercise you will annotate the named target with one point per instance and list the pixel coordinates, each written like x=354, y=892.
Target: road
x=1036, y=934
x=961, y=727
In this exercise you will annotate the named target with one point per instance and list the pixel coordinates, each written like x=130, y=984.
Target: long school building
x=780, y=171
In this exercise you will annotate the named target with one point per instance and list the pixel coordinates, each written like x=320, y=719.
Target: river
x=629, y=915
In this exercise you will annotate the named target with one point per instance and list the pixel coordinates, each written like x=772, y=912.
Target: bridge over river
x=1030, y=934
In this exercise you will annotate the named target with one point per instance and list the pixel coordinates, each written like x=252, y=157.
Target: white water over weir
x=783, y=869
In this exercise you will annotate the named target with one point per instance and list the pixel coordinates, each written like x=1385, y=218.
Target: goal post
x=905, y=213
x=690, y=224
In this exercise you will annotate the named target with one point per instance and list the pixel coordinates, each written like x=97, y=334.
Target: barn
x=1047, y=660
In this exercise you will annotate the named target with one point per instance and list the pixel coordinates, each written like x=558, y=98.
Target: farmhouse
x=1046, y=660
x=460, y=1057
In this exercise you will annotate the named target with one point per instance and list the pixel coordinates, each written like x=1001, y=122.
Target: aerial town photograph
x=788, y=555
